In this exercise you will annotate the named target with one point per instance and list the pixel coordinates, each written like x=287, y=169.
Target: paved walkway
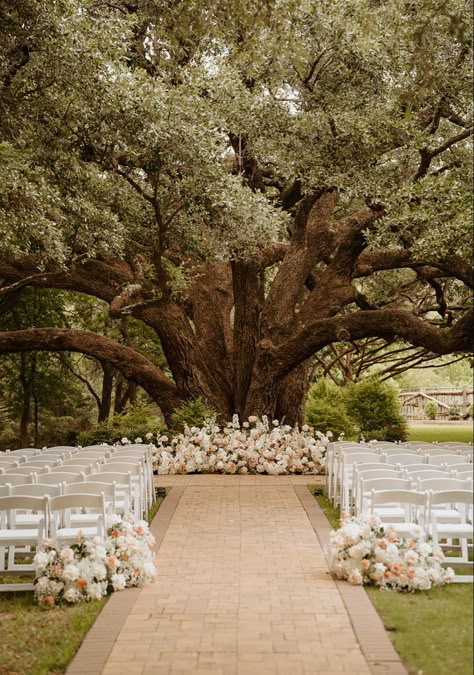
x=243, y=589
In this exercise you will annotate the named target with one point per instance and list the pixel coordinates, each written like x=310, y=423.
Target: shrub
x=191, y=414
x=469, y=411
x=324, y=417
x=374, y=407
x=454, y=413
x=431, y=410
x=135, y=422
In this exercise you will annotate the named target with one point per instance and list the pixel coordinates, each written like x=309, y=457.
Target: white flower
x=163, y=439
x=355, y=577
x=252, y=419
x=72, y=595
x=149, y=436
x=138, y=440
x=124, y=440
x=70, y=572
x=118, y=582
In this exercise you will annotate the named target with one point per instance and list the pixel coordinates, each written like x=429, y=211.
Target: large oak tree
x=254, y=181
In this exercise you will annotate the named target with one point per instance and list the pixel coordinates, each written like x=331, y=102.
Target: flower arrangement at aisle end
x=256, y=446
x=90, y=569
x=362, y=551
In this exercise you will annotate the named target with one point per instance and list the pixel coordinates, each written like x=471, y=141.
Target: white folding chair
x=136, y=467
x=408, y=472
x=346, y=464
x=462, y=530
x=333, y=454
x=435, y=451
x=113, y=503
x=368, y=485
x=15, y=539
x=414, y=504
x=127, y=490
x=61, y=512
x=366, y=472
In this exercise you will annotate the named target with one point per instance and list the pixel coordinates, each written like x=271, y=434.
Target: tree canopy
x=254, y=181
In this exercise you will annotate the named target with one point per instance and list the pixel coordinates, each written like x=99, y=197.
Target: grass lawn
x=440, y=432
x=37, y=641
x=432, y=630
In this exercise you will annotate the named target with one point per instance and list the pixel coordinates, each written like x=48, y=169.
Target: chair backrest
x=10, y=461
x=103, y=448
x=361, y=457
x=60, y=507
x=118, y=477
x=465, y=475
x=399, y=497
x=426, y=473
x=389, y=483
x=91, y=487
x=27, y=468
x=452, y=497
x=36, y=490
x=443, y=484
x=5, y=490
x=433, y=452
x=397, y=450
x=78, y=460
x=383, y=472
x=9, y=505
x=460, y=444
x=40, y=461
x=464, y=466
x=93, y=455
x=17, y=478
x=449, y=459
x=406, y=458
x=58, y=477
x=133, y=467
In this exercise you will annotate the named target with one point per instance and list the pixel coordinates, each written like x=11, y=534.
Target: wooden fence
x=452, y=402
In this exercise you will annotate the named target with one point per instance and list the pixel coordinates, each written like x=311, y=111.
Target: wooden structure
x=448, y=400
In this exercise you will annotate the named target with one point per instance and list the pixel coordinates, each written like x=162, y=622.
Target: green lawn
x=34, y=641
x=432, y=630
x=441, y=432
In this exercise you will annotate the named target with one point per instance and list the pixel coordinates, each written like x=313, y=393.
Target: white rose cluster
x=364, y=552
x=255, y=447
x=90, y=569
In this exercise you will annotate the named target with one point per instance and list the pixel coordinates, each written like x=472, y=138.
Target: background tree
x=253, y=181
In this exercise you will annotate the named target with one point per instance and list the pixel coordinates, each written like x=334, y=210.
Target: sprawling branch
x=133, y=365
x=385, y=323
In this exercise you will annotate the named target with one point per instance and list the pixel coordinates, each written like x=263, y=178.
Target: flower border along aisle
x=93, y=568
x=255, y=447
x=364, y=552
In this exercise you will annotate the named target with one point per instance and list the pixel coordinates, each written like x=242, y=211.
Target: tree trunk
x=106, y=395
x=26, y=401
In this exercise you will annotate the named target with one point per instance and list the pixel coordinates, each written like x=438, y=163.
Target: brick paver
x=243, y=589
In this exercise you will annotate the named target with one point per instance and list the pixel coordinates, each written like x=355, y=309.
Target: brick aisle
x=243, y=589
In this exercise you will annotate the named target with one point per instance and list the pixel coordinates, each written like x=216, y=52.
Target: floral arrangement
x=364, y=552
x=256, y=446
x=90, y=569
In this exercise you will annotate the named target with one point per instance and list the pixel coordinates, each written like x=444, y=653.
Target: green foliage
x=470, y=410
x=375, y=408
x=325, y=409
x=135, y=422
x=431, y=410
x=192, y=414
x=454, y=412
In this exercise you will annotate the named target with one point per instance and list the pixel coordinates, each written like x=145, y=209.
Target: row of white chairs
x=366, y=480
x=26, y=520
x=53, y=466
x=341, y=457
x=446, y=515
